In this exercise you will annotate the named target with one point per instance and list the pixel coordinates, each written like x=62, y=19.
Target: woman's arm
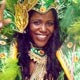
x=3, y=21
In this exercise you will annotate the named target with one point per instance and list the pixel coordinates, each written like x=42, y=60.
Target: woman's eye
x=50, y=23
x=36, y=22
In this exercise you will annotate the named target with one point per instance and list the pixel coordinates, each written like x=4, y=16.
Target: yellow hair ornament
x=21, y=13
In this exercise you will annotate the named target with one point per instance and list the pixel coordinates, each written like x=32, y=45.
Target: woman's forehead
x=48, y=15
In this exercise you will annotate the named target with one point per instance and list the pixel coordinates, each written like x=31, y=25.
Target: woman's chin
x=40, y=44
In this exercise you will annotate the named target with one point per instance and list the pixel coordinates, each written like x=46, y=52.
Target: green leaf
x=10, y=5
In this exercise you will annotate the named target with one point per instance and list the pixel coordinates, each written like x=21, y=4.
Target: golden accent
x=2, y=42
x=39, y=72
x=75, y=59
x=21, y=17
x=4, y=37
x=62, y=62
x=2, y=55
x=21, y=13
x=40, y=68
x=41, y=52
x=42, y=9
x=37, y=58
x=70, y=44
x=14, y=50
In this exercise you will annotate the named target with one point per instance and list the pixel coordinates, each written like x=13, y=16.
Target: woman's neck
x=35, y=46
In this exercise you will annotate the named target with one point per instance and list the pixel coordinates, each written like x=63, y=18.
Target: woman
x=38, y=45
x=42, y=35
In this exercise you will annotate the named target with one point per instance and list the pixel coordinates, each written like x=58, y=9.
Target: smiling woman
x=37, y=47
x=41, y=28
x=37, y=39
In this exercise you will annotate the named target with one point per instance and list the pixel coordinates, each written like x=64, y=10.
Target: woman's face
x=41, y=28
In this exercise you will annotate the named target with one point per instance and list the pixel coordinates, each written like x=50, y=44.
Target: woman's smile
x=41, y=37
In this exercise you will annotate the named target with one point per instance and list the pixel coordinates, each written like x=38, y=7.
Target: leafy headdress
x=22, y=9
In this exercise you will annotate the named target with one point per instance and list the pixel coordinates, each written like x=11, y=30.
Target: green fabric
x=9, y=11
x=45, y=3
x=61, y=75
x=43, y=6
x=37, y=51
x=9, y=68
x=68, y=51
x=9, y=29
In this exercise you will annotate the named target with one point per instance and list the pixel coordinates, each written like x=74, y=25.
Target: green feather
x=70, y=12
x=9, y=29
x=10, y=70
x=74, y=30
x=10, y=5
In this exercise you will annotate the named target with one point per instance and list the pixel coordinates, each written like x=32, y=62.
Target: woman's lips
x=42, y=37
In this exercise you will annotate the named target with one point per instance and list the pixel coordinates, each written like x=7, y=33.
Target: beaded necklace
x=38, y=56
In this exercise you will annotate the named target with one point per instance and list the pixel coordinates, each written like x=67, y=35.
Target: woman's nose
x=43, y=28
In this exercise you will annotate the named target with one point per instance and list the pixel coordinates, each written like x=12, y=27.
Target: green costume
x=69, y=53
x=9, y=70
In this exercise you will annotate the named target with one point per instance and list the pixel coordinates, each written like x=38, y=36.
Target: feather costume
x=9, y=70
x=69, y=53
